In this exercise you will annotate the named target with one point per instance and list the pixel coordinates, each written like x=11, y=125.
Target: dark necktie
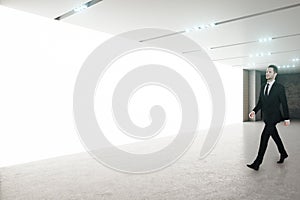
x=266, y=91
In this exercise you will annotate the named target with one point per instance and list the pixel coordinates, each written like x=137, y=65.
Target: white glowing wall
x=39, y=62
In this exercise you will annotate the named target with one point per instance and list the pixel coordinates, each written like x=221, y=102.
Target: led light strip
x=261, y=40
x=286, y=66
x=257, y=55
x=266, y=63
x=77, y=9
x=223, y=22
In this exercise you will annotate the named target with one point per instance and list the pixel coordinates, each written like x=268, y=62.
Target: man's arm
x=283, y=101
x=285, y=108
x=257, y=107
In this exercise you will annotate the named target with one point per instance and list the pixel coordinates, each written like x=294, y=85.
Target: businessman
x=272, y=97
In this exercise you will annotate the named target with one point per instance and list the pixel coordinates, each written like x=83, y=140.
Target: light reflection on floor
x=221, y=175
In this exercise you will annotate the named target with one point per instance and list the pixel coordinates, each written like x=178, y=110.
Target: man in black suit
x=272, y=96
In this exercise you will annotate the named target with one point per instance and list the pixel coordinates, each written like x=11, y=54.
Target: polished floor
x=221, y=175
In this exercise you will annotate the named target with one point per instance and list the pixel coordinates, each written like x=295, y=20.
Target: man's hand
x=287, y=122
x=251, y=114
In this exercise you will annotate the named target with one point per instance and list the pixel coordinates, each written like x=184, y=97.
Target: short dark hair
x=275, y=68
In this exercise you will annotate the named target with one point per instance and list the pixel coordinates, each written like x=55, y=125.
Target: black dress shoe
x=253, y=166
x=282, y=157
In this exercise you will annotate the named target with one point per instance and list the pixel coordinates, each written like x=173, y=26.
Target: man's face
x=270, y=74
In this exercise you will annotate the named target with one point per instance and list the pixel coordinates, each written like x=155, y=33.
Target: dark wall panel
x=291, y=83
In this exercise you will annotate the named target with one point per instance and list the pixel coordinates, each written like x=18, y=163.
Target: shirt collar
x=271, y=83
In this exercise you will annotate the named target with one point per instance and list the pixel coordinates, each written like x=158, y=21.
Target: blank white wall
x=232, y=78
x=40, y=59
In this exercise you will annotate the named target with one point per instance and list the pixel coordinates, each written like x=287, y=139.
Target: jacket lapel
x=273, y=88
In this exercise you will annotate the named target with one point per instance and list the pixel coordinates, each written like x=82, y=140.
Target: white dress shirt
x=270, y=86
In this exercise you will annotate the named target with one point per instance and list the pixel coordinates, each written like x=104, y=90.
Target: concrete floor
x=221, y=175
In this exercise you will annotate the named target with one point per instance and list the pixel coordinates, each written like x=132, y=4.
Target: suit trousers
x=269, y=130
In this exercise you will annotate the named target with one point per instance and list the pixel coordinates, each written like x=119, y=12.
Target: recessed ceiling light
x=188, y=30
x=197, y=28
x=267, y=39
x=80, y=8
x=262, y=54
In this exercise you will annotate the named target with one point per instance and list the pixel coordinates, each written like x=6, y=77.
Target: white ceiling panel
x=116, y=16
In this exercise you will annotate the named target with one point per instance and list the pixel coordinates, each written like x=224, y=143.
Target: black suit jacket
x=270, y=105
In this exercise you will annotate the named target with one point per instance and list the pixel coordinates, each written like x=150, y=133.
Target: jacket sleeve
x=283, y=101
x=259, y=104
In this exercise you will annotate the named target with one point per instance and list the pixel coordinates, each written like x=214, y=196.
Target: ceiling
x=234, y=42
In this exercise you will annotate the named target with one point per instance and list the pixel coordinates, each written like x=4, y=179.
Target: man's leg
x=263, y=144
x=279, y=144
x=278, y=141
x=265, y=135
